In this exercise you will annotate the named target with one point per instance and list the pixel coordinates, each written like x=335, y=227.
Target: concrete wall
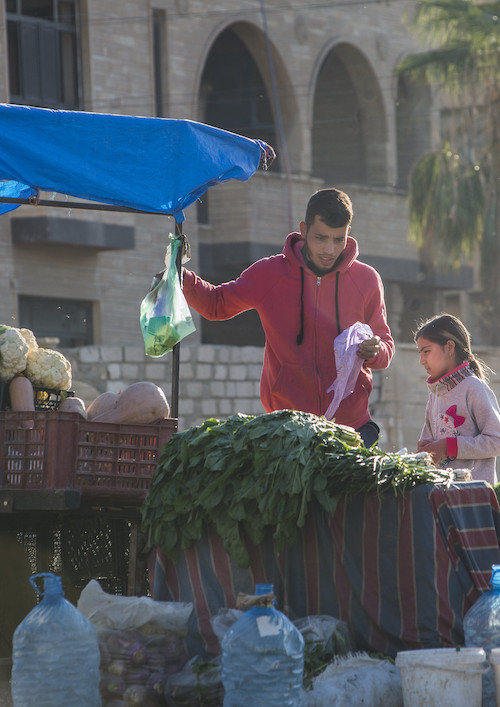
x=218, y=381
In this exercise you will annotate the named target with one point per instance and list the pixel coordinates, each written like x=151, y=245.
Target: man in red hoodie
x=306, y=296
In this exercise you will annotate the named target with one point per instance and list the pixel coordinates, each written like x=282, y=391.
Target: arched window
x=338, y=153
x=233, y=93
x=233, y=96
x=413, y=126
x=349, y=132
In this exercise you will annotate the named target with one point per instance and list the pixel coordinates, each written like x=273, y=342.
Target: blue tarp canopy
x=154, y=165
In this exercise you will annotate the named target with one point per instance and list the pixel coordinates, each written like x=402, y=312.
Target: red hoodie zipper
x=316, y=310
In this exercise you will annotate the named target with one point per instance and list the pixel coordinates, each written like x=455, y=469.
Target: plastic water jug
x=482, y=629
x=262, y=659
x=55, y=653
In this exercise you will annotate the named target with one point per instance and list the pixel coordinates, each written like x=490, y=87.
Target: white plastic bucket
x=494, y=659
x=437, y=677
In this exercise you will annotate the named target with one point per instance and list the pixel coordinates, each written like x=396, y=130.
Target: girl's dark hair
x=443, y=327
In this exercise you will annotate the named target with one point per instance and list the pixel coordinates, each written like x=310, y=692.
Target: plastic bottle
x=482, y=629
x=55, y=653
x=262, y=659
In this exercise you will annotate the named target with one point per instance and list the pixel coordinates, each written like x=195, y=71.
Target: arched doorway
x=233, y=95
x=349, y=132
x=413, y=125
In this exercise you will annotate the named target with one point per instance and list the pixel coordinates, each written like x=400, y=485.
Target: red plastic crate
x=58, y=450
x=119, y=460
x=36, y=449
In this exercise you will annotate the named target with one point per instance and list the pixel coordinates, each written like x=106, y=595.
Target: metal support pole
x=176, y=350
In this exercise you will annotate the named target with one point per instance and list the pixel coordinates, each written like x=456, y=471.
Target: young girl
x=462, y=418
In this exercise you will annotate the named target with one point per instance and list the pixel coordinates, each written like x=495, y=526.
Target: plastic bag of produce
x=141, y=643
x=199, y=683
x=356, y=680
x=223, y=620
x=347, y=362
x=331, y=634
x=165, y=317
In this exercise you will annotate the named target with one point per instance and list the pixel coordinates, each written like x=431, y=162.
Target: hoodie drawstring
x=300, y=335
x=339, y=330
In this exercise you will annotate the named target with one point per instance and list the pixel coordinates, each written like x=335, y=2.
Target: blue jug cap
x=269, y=588
x=495, y=576
x=52, y=584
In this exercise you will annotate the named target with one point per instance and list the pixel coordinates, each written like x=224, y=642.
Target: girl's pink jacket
x=297, y=376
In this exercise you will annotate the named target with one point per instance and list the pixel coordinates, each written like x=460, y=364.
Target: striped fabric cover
x=400, y=571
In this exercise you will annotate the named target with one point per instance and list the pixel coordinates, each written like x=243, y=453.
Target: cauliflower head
x=46, y=368
x=13, y=353
x=30, y=338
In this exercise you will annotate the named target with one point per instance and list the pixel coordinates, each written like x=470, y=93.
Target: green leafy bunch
x=248, y=475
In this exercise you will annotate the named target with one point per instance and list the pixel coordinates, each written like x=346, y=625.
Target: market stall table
x=400, y=570
x=70, y=502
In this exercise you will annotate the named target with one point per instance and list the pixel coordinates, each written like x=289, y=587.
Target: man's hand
x=437, y=449
x=369, y=348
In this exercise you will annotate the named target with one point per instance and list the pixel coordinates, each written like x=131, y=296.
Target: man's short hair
x=332, y=206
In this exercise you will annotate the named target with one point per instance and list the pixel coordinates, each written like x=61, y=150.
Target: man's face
x=323, y=244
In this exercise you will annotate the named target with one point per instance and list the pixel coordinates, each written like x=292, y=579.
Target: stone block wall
x=214, y=381
x=218, y=381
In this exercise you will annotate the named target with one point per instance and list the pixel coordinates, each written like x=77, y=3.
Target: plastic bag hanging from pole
x=348, y=363
x=165, y=315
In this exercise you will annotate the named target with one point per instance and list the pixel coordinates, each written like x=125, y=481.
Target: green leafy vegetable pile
x=248, y=473
x=496, y=489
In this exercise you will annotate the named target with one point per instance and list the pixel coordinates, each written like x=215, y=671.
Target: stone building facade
x=317, y=81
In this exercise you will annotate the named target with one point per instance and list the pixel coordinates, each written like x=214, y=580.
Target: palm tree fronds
x=462, y=39
x=446, y=204
x=441, y=62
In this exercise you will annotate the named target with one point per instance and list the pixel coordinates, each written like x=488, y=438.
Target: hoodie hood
x=293, y=252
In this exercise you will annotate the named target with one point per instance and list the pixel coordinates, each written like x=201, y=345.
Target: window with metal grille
x=42, y=37
x=68, y=321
